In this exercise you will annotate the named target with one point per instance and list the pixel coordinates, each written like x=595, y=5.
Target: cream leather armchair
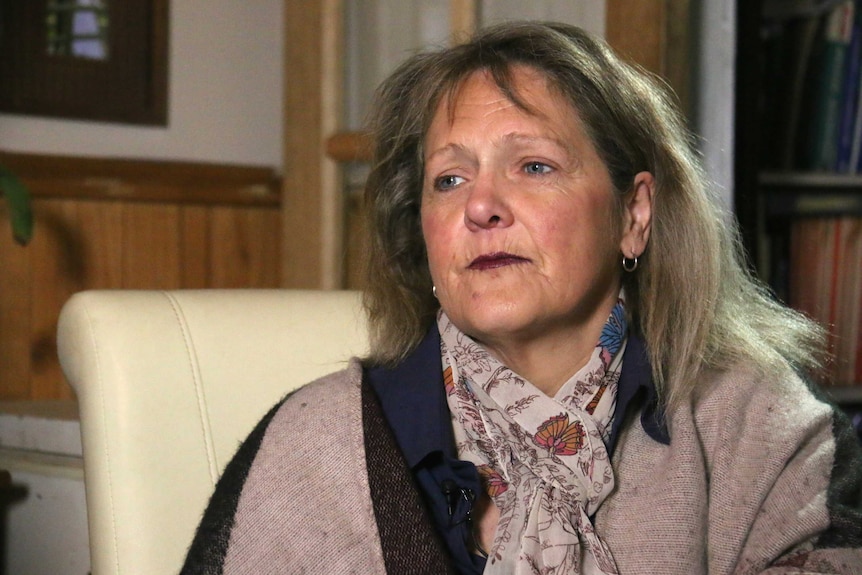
x=168, y=384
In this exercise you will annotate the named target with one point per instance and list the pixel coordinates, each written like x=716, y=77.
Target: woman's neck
x=548, y=363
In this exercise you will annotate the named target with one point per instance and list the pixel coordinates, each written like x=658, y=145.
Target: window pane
x=78, y=28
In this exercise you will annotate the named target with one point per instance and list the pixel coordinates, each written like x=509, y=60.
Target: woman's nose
x=487, y=206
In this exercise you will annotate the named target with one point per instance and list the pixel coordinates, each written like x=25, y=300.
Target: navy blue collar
x=636, y=388
x=413, y=399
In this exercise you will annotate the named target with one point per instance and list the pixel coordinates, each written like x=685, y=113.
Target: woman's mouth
x=495, y=260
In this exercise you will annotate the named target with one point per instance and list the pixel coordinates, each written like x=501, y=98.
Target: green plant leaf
x=18, y=199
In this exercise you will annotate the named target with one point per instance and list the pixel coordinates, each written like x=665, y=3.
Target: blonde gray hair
x=692, y=296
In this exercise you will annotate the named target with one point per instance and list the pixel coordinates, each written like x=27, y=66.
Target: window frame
x=129, y=87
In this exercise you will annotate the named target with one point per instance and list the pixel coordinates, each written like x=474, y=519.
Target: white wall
x=46, y=531
x=714, y=72
x=225, y=99
x=379, y=35
x=45, y=518
x=588, y=15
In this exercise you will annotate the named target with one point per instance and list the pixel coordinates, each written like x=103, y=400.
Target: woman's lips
x=495, y=260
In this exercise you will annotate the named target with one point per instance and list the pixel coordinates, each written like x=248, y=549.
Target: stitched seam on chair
x=198, y=385
x=102, y=412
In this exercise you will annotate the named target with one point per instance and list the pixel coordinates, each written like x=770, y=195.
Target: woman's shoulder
x=314, y=423
x=337, y=392
x=299, y=481
x=760, y=412
x=744, y=392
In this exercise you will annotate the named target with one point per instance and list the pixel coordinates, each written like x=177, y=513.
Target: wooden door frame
x=311, y=206
x=663, y=48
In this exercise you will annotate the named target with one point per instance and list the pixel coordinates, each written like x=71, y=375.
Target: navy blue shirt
x=413, y=399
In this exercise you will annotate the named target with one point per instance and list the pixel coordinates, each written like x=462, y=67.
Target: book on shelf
x=812, y=69
x=826, y=83
x=849, y=107
x=826, y=284
x=854, y=162
x=788, y=48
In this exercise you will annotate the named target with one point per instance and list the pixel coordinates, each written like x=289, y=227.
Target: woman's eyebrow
x=510, y=139
x=520, y=138
x=451, y=149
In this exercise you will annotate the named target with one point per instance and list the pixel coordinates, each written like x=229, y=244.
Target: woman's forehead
x=520, y=84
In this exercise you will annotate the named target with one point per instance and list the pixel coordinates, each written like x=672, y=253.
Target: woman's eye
x=447, y=182
x=537, y=168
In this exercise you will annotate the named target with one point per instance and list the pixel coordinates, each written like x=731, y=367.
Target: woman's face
x=522, y=228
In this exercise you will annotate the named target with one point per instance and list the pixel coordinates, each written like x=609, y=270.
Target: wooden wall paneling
x=151, y=246
x=100, y=229
x=311, y=198
x=228, y=248
x=244, y=248
x=15, y=297
x=57, y=271
x=77, y=245
x=266, y=225
x=103, y=223
x=196, y=254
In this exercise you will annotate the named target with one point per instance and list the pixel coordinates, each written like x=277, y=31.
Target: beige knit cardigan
x=755, y=480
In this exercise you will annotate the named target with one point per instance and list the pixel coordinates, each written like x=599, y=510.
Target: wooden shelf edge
x=345, y=147
x=797, y=179
x=70, y=177
x=816, y=194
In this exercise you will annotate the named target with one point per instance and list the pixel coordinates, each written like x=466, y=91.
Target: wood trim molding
x=332, y=190
x=69, y=177
x=312, y=203
x=463, y=16
x=344, y=147
x=678, y=52
x=129, y=86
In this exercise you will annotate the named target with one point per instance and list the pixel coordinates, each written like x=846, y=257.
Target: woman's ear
x=637, y=215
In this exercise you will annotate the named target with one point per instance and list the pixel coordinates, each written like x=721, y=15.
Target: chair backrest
x=168, y=384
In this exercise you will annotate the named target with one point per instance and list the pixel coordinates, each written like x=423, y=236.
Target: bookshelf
x=810, y=194
x=798, y=178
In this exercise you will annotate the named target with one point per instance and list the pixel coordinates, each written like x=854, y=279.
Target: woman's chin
x=490, y=321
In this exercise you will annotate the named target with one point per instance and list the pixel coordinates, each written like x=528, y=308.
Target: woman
x=571, y=370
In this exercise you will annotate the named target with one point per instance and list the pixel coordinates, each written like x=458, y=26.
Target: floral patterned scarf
x=542, y=459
